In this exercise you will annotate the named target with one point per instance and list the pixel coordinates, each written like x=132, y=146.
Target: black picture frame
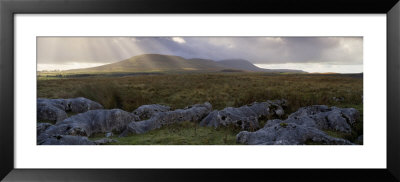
x=9, y=8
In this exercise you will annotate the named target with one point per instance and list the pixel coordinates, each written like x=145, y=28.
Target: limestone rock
x=41, y=127
x=109, y=134
x=54, y=110
x=147, y=111
x=288, y=134
x=338, y=99
x=104, y=141
x=304, y=126
x=192, y=113
x=322, y=117
x=46, y=111
x=66, y=140
x=88, y=123
x=244, y=117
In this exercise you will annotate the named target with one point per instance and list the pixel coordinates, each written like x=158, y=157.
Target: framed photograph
x=133, y=90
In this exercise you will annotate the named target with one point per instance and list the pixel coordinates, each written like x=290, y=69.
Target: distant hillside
x=155, y=63
x=165, y=63
x=285, y=71
x=324, y=73
x=240, y=64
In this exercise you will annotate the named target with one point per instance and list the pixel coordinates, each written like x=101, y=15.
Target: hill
x=155, y=63
x=169, y=63
x=242, y=64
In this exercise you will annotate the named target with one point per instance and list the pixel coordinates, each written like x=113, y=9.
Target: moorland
x=116, y=86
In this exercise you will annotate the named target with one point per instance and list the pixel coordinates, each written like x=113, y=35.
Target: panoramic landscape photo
x=199, y=90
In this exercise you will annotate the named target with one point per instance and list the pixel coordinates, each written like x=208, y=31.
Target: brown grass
x=220, y=89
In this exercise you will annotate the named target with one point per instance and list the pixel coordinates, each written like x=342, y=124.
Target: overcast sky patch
x=258, y=50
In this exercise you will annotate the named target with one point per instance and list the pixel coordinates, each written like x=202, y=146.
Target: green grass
x=186, y=133
x=283, y=125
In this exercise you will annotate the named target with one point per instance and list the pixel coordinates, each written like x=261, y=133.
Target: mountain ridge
x=165, y=63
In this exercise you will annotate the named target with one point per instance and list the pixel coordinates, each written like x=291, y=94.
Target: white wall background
x=371, y=155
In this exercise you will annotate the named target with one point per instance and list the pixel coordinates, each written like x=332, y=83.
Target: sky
x=311, y=54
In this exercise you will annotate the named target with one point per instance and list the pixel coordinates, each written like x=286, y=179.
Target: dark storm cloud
x=259, y=50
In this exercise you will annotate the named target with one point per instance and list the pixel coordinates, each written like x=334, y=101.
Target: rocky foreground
x=302, y=127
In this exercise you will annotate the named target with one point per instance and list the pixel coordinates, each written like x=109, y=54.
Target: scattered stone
x=90, y=122
x=54, y=110
x=192, y=113
x=338, y=99
x=49, y=112
x=244, y=117
x=322, y=117
x=304, y=126
x=109, y=134
x=104, y=141
x=41, y=127
x=66, y=140
x=99, y=121
x=147, y=111
x=288, y=134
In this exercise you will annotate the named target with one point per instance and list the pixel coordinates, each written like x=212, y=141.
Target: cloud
x=258, y=50
x=315, y=67
x=179, y=40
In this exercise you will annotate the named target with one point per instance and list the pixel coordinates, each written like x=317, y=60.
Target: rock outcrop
x=322, y=117
x=288, y=134
x=304, y=126
x=89, y=123
x=67, y=140
x=147, y=111
x=55, y=110
x=75, y=140
x=192, y=113
x=41, y=127
x=245, y=117
x=104, y=141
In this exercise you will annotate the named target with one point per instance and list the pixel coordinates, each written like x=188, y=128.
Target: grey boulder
x=89, y=123
x=244, y=117
x=104, y=141
x=148, y=111
x=288, y=134
x=322, y=117
x=41, y=127
x=109, y=134
x=74, y=140
x=192, y=113
x=303, y=127
x=54, y=110
x=47, y=111
x=338, y=99
x=67, y=140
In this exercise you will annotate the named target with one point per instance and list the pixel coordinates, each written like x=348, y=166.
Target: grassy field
x=186, y=133
x=220, y=89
